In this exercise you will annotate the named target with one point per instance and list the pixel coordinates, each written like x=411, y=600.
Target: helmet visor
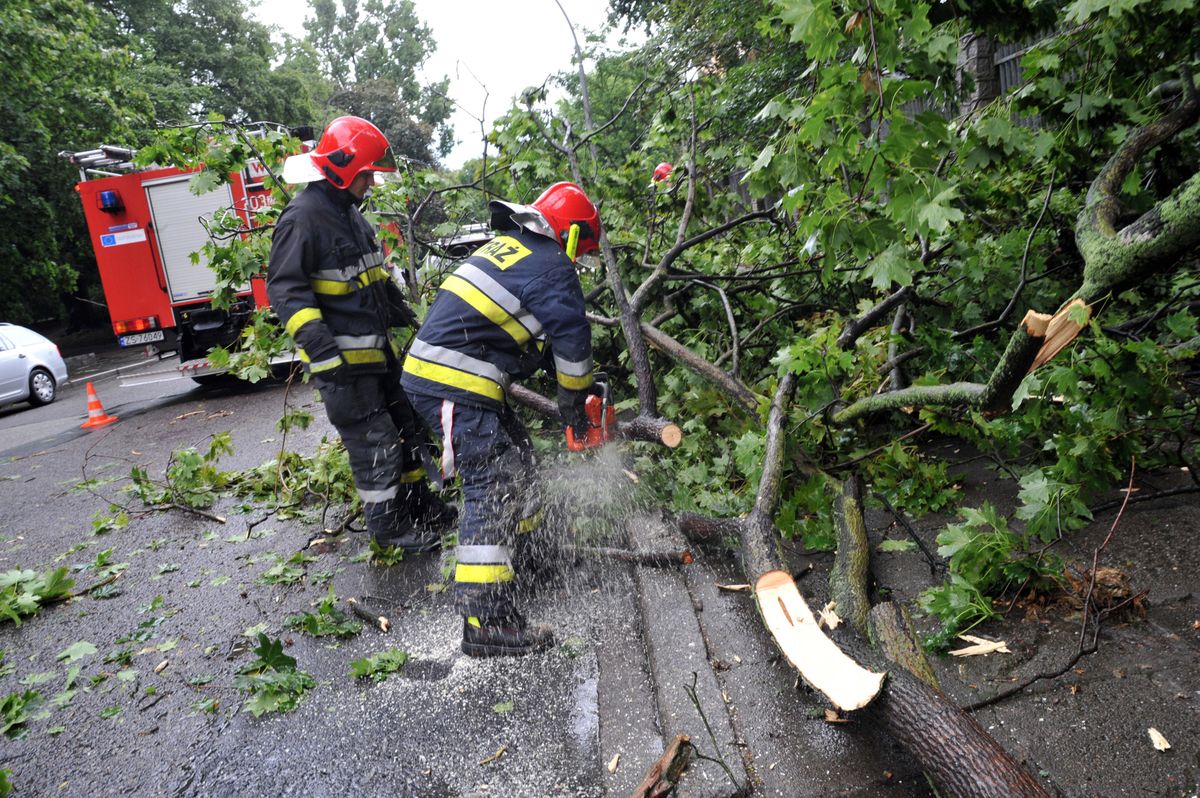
x=385, y=162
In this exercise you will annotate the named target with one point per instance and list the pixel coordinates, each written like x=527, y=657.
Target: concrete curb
x=679, y=659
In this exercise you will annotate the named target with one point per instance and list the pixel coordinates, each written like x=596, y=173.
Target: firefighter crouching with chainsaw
x=509, y=307
x=327, y=282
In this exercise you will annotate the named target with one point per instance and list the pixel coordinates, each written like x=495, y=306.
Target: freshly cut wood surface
x=823, y=665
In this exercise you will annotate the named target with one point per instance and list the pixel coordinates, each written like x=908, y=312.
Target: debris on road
x=662, y=776
x=982, y=647
x=1160, y=742
x=378, y=620
x=494, y=757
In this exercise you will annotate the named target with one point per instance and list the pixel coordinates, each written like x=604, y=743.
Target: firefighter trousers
x=383, y=439
x=493, y=457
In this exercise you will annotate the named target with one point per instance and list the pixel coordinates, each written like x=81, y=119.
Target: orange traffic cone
x=96, y=415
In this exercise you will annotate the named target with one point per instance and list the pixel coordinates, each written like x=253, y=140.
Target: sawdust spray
x=587, y=500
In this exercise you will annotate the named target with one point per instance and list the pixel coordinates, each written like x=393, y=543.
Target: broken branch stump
x=664, y=774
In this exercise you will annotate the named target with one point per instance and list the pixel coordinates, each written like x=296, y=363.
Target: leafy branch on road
x=327, y=621
x=23, y=592
x=272, y=680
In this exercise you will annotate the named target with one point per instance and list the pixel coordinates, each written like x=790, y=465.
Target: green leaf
x=502, y=708
x=204, y=181
x=1182, y=325
x=938, y=214
x=76, y=651
x=892, y=266
x=34, y=679
x=378, y=666
x=892, y=544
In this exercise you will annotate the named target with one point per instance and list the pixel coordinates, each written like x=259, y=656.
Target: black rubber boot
x=504, y=637
x=412, y=539
x=390, y=525
x=427, y=509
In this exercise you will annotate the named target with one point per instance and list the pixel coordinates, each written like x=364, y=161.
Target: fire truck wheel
x=42, y=388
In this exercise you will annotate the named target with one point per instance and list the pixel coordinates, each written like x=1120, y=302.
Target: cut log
x=821, y=663
x=646, y=428
x=652, y=559
x=376, y=619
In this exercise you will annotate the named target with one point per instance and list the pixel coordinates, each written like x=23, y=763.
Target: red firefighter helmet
x=662, y=171
x=348, y=146
x=565, y=204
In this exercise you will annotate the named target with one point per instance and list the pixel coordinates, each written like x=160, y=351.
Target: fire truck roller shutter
x=178, y=232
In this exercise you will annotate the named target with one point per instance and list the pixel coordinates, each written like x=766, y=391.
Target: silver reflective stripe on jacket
x=457, y=360
x=483, y=555
x=501, y=296
x=573, y=368
x=360, y=341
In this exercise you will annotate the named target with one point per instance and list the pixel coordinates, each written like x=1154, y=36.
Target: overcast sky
x=505, y=46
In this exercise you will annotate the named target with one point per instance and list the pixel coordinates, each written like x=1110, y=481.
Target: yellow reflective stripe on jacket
x=364, y=356
x=342, y=287
x=574, y=383
x=573, y=374
x=321, y=365
x=436, y=372
x=373, y=275
x=300, y=318
x=527, y=525
x=332, y=287
x=483, y=574
x=485, y=305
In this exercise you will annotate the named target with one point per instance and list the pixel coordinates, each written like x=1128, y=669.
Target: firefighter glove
x=572, y=408
x=338, y=374
x=402, y=313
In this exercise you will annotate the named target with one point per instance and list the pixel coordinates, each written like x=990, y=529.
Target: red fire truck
x=145, y=226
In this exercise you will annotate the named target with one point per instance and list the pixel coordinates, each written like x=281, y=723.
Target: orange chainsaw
x=601, y=417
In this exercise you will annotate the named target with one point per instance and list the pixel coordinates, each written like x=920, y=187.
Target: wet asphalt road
x=162, y=716
x=142, y=728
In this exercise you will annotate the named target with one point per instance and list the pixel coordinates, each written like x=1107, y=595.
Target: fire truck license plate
x=140, y=338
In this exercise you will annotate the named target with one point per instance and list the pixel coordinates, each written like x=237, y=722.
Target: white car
x=31, y=367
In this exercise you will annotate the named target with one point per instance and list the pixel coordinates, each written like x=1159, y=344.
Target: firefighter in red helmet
x=327, y=282
x=507, y=310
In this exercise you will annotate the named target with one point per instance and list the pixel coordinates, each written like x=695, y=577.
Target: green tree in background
x=78, y=74
x=64, y=89
x=199, y=57
x=368, y=54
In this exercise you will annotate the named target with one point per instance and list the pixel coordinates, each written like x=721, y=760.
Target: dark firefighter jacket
x=493, y=319
x=327, y=283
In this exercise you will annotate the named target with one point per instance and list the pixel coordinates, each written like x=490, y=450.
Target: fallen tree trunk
x=951, y=747
x=1019, y=358
x=958, y=754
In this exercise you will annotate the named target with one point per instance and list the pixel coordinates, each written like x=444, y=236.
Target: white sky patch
x=490, y=51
